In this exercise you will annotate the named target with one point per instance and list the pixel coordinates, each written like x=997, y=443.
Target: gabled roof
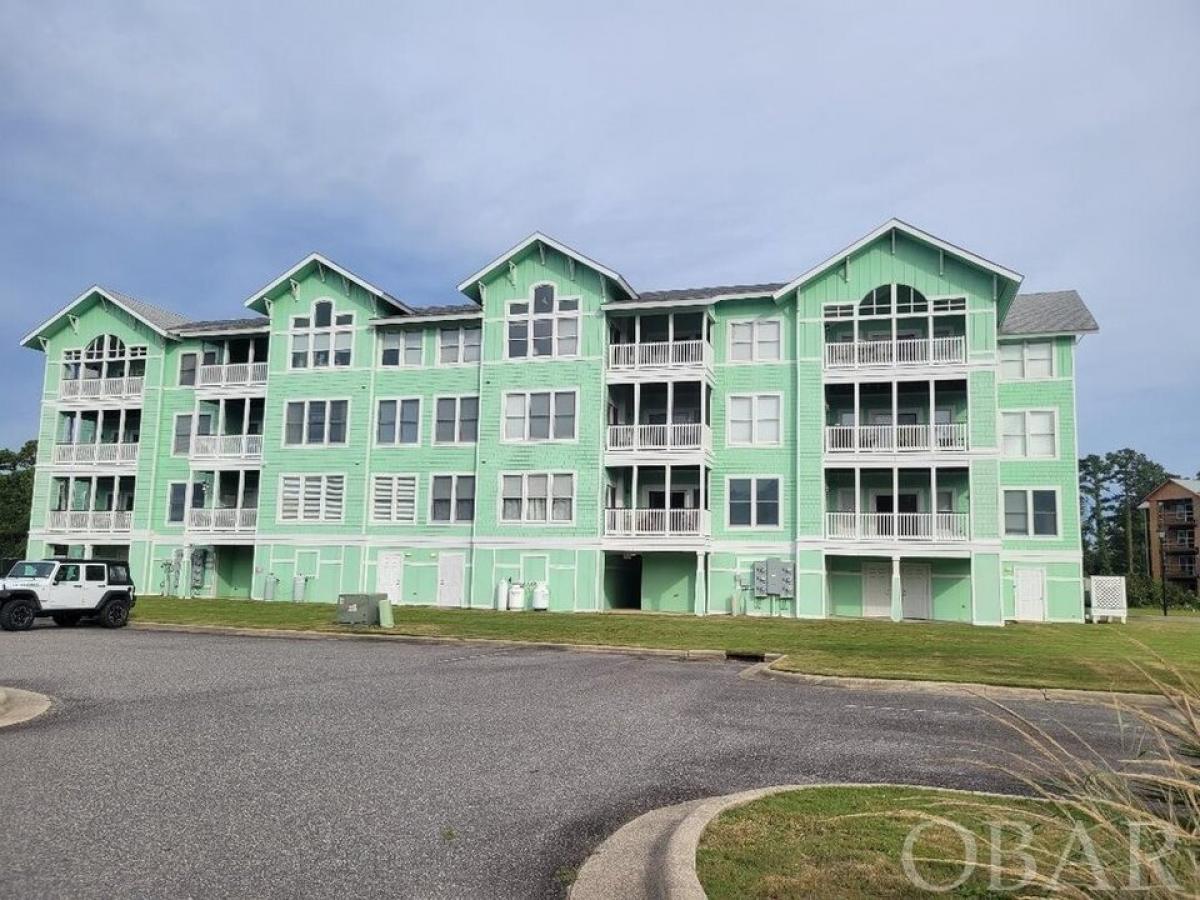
x=470, y=284
x=1051, y=312
x=913, y=232
x=255, y=300
x=159, y=319
x=1188, y=484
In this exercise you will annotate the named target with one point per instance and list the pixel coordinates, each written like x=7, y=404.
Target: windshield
x=31, y=570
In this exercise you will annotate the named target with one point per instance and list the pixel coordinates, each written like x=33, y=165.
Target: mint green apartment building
x=898, y=422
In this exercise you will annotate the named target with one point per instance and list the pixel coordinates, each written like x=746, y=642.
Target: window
x=181, y=445
x=459, y=345
x=95, y=573
x=1029, y=434
x=311, y=498
x=176, y=502
x=187, y=369
x=399, y=422
x=401, y=348
x=753, y=502
x=538, y=497
x=1026, y=509
x=754, y=419
x=456, y=420
x=1027, y=359
x=758, y=341
x=394, y=499
x=452, y=498
x=547, y=326
x=541, y=416
x=322, y=338
x=315, y=422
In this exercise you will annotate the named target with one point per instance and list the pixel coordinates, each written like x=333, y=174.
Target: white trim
x=1025, y=345
x=526, y=439
x=370, y=517
x=529, y=317
x=754, y=419
x=472, y=281
x=402, y=333
x=86, y=295
x=911, y=231
x=322, y=517
x=396, y=444
x=305, y=443
x=754, y=324
x=454, y=477
x=1028, y=491
x=460, y=344
x=457, y=398
x=418, y=319
x=311, y=331
x=1025, y=413
x=754, y=479
x=549, y=521
x=328, y=264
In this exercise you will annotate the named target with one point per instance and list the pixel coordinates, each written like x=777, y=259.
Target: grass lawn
x=847, y=843
x=1091, y=657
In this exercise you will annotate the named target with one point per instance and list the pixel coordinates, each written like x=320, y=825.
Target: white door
x=450, y=579
x=877, y=589
x=916, y=591
x=66, y=591
x=389, y=570
x=95, y=584
x=1030, y=587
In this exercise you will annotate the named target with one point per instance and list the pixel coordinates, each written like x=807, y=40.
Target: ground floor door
x=1030, y=588
x=389, y=574
x=916, y=591
x=877, y=589
x=451, y=569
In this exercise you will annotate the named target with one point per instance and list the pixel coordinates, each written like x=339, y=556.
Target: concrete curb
x=21, y=706
x=987, y=691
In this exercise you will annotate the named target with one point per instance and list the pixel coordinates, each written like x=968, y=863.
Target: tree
x=1134, y=475
x=16, y=496
x=1095, y=475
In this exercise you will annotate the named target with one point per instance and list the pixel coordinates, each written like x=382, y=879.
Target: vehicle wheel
x=115, y=613
x=18, y=615
x=66, y=619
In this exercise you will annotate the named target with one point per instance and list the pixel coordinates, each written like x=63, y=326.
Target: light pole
x=1162, y=563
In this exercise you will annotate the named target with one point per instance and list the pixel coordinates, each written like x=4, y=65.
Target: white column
x=897, y=591
x=857, y=412
x=895, y=503
x=895, y=412
x=637, y=405
x=667, y=500
x=933, y=490
x=633, y=501
x=703, y=479
x=241, y=491
x=857, y=502
x=670, y=410
x=700, y=597
x=929, y=333
x=932, y=415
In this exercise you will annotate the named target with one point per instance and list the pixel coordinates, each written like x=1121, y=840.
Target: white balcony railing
x=650, y=522
x=91, y=454
x=129, y=386
x=660, y=355
x=227, y=446
x=233, y=373
x=939, y=351
x=886, y=438
x=87, y=520
x=223, y=519
x=675, y=436
x=851, y=526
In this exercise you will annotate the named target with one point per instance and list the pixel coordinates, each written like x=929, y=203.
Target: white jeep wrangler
x=66, y=590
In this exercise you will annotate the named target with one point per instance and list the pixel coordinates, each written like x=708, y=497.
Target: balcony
x=1180, y=515
x=96, y=454
x=228, y=519
x=1180, y=567
x=678, y=436
x=227, y=446
x=661, y=355
x=89, y=520
x=657, y=522
x=851, y=526
x=110, y=388
x=895, y=438
x=938, y=351
x=232, y=374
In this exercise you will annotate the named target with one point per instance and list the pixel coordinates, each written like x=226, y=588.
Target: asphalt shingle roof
x=156, y=315
x=704, y=293
x=1052, y=312
x=225, y=324
x=1192, y=484
x=453, y=309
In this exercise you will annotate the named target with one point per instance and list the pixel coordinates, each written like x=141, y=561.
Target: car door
x=66, y=590
x=95, y=584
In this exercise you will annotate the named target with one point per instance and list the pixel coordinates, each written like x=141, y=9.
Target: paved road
x=187, y=765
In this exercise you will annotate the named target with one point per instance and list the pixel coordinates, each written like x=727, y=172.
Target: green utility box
x=359, y=609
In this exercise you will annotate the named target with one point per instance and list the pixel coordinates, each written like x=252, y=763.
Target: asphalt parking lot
x=200, y=766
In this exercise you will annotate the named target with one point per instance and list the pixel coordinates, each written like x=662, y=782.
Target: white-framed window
x=543, y=326
x=398, y=422
x=311, y=498
x=540, y=416
x=105, y=356
x=323, y=338
x=394, y=499
x=315, y=422
x=188, y=364
x=181, y=438
x=452, y=498
x=754, y=419
x=456, y=420
x=760, y=340
x=1024, y=360
x=753, y=502
x=401, y=348
x=1031, y=512
x=538, y=497
x=176, y=502
x=459, y=344
x=1030, y=433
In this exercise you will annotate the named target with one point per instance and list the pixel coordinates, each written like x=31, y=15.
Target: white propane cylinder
x=541, y=596
x=516, y=596
x=502, y=594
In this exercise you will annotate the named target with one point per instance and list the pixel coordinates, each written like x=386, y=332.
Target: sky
x=187, y=153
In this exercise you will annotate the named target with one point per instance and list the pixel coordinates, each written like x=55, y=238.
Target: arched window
x=105, y=356
x=544, y=325
x=877, y=302
x=880, y=301
x=322, y=338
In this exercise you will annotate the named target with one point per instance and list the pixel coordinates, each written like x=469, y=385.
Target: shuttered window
x=311, y=498
x=394, y=499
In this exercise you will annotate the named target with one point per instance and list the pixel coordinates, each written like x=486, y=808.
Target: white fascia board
x=419, y=319
x=911, y=231
x=94, y=289
x=333, y=267
x=472, y=280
